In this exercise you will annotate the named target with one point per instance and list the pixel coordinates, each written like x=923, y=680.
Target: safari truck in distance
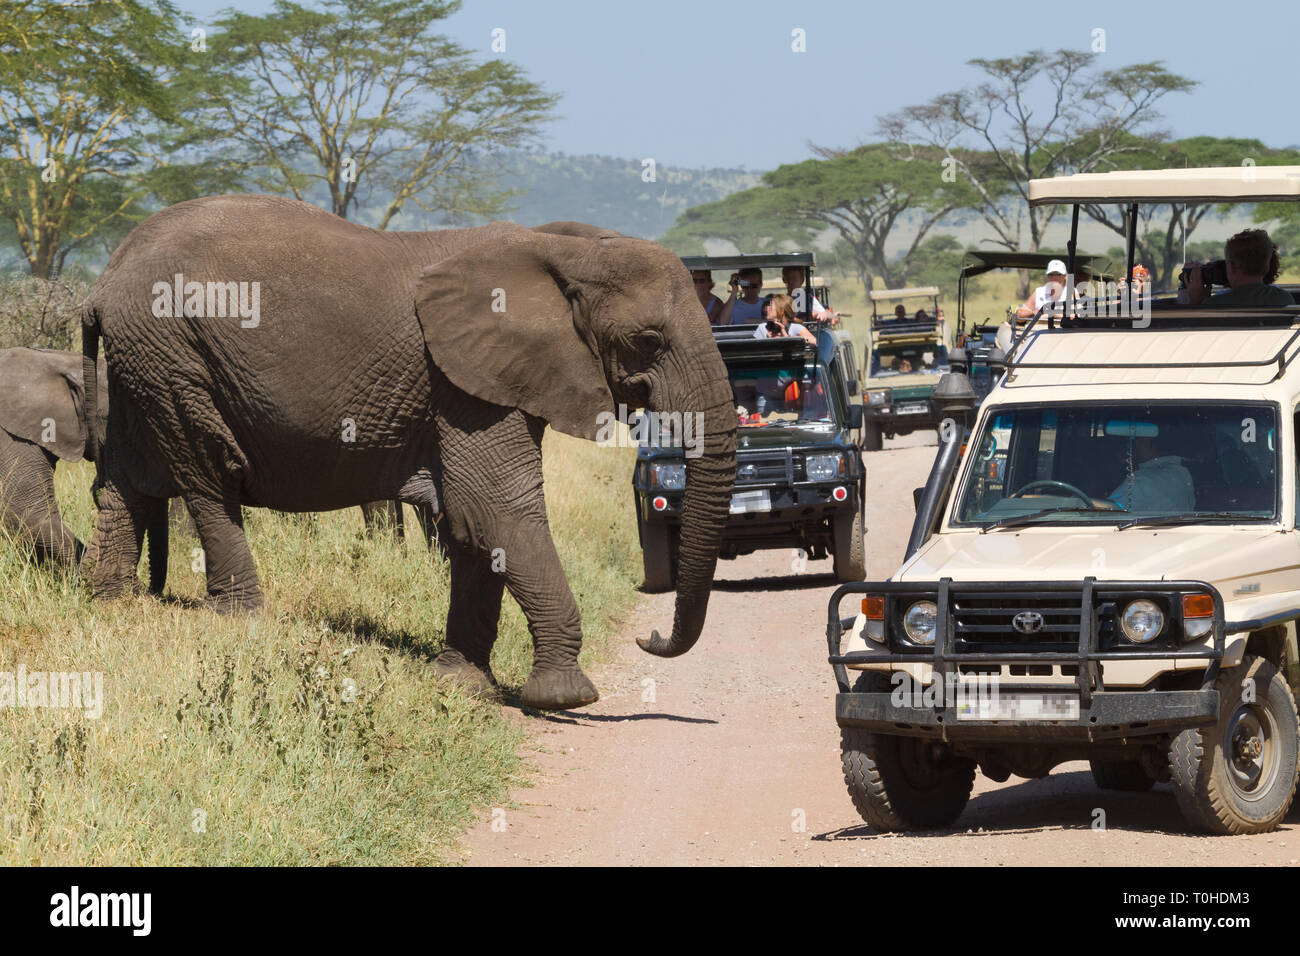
x=1105, y=567
x=904, y=359
x=981, y=352
x=800, y=484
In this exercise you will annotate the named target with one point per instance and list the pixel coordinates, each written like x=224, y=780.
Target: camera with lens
x=1212, y=273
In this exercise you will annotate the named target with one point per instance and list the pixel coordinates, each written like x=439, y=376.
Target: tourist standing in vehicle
x=703, y=280
x=795, y=278
x=743, y=306
x=1053, y=290
x=1252, y=267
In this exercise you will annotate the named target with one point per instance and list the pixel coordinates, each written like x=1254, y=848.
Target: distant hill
x=609, y=191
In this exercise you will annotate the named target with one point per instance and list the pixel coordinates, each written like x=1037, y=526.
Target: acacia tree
x=360, y=94
x=867, y=194
x=89, y=121
x=1037, y=115
x=752, y=220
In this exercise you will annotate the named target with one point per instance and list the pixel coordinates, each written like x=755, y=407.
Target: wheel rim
x=1251, y=751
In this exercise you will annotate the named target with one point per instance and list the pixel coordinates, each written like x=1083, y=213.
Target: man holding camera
x=743, y=306
x=1249, y=266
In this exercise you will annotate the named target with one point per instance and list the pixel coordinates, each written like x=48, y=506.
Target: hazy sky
x=715, y=82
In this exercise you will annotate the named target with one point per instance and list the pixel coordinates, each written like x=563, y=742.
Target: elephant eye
x=647, y=342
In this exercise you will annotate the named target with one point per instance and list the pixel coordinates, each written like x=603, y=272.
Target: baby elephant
x=42, y=420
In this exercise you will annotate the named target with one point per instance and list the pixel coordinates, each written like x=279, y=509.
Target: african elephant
x=363, y=365
x=43, y=420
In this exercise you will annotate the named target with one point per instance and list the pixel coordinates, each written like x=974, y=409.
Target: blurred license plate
x=1020, y=707
x=746, y=501
x=912, y=409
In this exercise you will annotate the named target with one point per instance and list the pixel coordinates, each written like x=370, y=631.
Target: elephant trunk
x=705, y=506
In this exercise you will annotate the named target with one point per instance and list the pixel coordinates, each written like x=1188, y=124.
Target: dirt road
x=730, y=754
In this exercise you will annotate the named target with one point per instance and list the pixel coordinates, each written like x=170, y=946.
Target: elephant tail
x=156, y=529
x=89, y=376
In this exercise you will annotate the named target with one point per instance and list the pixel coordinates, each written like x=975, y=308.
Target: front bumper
x=895, y=417
x=1102, y=713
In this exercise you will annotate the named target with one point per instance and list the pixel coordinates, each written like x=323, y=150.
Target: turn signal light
x=1198, y=605
x=873, y=607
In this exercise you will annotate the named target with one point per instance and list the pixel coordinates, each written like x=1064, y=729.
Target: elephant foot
x=234, y=602
x=474, y=679
x=558, y=689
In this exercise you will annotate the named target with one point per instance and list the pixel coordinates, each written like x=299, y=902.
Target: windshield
x=905, y=359
x=1123, y=461
x=779, y=392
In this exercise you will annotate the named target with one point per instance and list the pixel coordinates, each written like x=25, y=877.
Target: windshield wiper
x=1017, y=520
x=1186, y=517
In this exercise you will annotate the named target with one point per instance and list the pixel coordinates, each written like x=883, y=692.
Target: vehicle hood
x=1227, y=557
x=760, y=437
x=915, y=380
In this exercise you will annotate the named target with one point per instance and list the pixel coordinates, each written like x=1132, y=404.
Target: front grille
x=984, y=623
x=766, y=469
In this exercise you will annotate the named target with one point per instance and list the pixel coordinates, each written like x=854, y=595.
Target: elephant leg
x=27, y=502
x=536, y=580
x=111, y=560
x=232, y=577
x=472, y=621
x=492, y=480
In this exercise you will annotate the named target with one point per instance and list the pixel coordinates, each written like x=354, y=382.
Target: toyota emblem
x=1028, y=622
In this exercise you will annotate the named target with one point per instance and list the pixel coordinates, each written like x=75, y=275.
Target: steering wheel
x=1053, y=483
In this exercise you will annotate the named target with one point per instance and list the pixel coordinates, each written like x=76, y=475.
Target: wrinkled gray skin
x=422, y=367
x=42, y=421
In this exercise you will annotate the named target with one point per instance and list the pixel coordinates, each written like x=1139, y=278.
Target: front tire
x=872, y=439
x=902, y=783
x=1239, y=775
x=850, y=551
x=657, y=559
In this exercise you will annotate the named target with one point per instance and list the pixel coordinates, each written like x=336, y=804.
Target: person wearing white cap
x=1052, y=291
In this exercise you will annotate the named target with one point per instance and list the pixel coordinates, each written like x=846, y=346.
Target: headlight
x=880, y=397
x=824, y=467
x=919, y=622
x=672, y=477
x=1142, y=621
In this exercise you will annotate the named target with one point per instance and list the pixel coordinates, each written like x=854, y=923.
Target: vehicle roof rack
x=1186, y=319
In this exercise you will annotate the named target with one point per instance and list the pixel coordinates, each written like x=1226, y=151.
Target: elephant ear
x=505, y=320
x=41, y=400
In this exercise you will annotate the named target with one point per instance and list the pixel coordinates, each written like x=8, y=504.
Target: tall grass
x=311, y=733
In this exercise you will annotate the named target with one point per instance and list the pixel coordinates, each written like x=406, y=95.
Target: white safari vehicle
x=1104, y=567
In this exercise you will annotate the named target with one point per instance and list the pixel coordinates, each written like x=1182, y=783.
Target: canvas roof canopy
x=977, y=263
x=929, y=291
x=756, y=261
x=1196, y=184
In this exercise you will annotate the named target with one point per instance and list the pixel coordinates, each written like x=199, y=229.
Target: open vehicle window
x=889, y=360
x=771, y=392
x=1120, y=461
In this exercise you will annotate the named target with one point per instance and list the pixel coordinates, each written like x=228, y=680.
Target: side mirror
x=855, y=417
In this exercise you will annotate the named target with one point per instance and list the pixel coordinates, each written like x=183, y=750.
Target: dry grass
x=312, y=733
